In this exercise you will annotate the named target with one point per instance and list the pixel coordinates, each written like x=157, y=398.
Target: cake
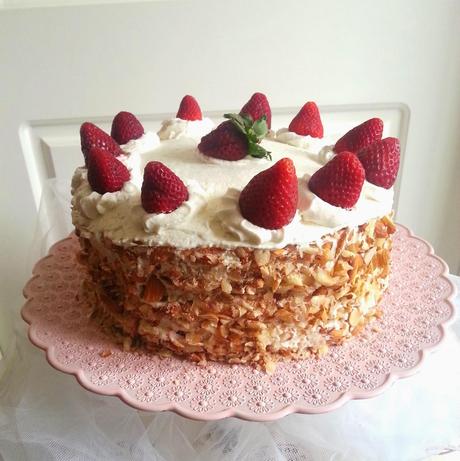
x=235, y=243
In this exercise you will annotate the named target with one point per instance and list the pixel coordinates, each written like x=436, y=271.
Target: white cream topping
x=315, y=210
x=211, y=216
x=229, y=223
x=304, y=142
x=377, y=193
x=177, y=128
x=326, y=154
x=148, y=141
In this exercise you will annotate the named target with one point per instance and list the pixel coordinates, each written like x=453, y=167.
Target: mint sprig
x=254, y=131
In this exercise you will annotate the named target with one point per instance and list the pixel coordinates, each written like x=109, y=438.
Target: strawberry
x=381, y=162
x=125, y=126
x=189, y=109
x=162, y=191
x=269, y=200
x=226, y=142
x=256, y=107
x=105, y=172
x=235, y=138
x=92, y=136
x=360, y=136
x=340, y=181
x=307, y=121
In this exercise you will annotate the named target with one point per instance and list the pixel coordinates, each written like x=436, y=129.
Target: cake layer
x=240, y=305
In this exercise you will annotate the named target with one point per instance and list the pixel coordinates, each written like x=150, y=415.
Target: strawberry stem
x=254, y=131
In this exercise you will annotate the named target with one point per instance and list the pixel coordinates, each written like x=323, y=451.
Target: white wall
x=91, y=61
x=42, y=3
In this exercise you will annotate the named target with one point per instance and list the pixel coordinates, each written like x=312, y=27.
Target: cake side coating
x=240, y=305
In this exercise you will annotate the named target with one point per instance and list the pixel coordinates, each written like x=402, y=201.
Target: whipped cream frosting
x=146, y=142
x=304, y=142
x=211, y=216
x=315, y=210
x=325, y=154
x=177, y=128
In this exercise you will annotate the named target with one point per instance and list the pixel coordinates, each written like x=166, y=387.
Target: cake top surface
x=211, y=217
x=240, y=184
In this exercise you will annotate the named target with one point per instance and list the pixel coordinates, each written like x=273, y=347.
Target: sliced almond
x=262, y=257
x=154, y=290
x=226, y=286
x=355, y=317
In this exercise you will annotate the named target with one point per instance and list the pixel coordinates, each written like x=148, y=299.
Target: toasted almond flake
x=355, y=317
x=311, y=250
x=294, y=279
x=154, y=290
x=105, y=353
x=323, y=278
x=262, y=257
x=369, y=255
x=226, y=286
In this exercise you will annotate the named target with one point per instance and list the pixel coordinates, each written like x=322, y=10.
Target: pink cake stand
x=417, y=307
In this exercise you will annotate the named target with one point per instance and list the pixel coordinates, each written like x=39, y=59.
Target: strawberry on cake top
x=189, y=122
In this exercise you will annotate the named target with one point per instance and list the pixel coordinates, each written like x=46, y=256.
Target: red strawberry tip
x=162, y=190
x=256, y=107
x=307, y=122
x=340, y=181
x=269, y=200
x=105, y=172
x=125, y=127
x=189, y=109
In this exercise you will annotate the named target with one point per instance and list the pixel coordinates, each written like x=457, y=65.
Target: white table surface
x=46, y=415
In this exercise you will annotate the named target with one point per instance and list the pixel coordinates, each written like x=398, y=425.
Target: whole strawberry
x=226, y=142
x=307, y=121
x=189, y=109
x=92, y=136
x=360, y=136
x=269, y=200
x=258, y=106
x=105, y=172
x=235, y=138
x=340, y=181
x=125, y=127
x=162, y=191
x=381, y=162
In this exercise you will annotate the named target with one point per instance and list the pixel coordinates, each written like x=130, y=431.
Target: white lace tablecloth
x=46, y=415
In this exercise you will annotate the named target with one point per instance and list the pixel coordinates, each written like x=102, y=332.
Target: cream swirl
x=303, y=142
x=315, y=210
x=229, y=223
x=377, y=193
x=177, y=128
x=91, y=203
x=148, y=141
x=163, y=223
x=326, y=154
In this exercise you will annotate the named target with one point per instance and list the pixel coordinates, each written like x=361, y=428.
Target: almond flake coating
x=240, y=305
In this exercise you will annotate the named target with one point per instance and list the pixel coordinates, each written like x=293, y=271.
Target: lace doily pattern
x=417, y=307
